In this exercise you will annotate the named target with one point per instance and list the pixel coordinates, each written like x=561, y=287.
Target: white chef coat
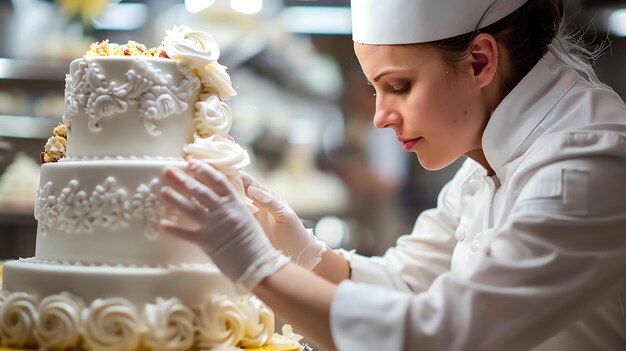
x=533, y=257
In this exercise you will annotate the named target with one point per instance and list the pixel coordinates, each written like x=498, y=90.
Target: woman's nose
x=385, y=117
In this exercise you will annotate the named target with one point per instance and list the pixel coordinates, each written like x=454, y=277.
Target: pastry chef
x=526, y=248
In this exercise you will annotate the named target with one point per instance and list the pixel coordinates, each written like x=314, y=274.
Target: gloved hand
x=220, y=224
x=282, y=225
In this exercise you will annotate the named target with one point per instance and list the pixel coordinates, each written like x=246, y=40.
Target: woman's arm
x=333, y=267
x=301, y=298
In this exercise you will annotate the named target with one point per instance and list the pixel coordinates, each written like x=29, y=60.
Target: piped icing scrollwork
x=64, y=321
x=108, y=206
x=156, y=94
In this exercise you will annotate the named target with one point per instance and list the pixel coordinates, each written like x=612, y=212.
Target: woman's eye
x=397, y=90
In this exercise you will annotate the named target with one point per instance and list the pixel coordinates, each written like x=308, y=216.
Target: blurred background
x=303, y=111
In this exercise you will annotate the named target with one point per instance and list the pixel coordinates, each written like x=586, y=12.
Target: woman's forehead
x=397, y=55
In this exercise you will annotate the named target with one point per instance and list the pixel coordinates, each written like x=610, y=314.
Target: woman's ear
x=484, y=59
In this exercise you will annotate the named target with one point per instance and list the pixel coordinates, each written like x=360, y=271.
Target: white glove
x=282, y=225
x=220, y=224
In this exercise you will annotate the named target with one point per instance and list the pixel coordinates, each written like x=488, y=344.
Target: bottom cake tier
x=47, y=305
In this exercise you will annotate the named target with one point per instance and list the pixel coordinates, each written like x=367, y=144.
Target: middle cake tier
x=107, y=212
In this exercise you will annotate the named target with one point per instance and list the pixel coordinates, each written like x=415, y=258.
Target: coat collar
x=513, y=125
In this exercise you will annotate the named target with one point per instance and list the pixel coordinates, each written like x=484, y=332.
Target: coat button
x=460, y=233
x=474, y=184
x=475, y=246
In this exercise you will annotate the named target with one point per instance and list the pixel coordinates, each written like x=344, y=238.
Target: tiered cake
x=103, y=276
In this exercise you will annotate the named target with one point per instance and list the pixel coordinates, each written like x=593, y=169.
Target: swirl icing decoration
x=226, y=156
x=111, y=325
x=212, y=117
x=59, y=322
x=107, y=206
x=170, y=326
x=63, y=321
x=221, y=153
x=199, y=51
x=259, y=322
x=17, y=320
x=219, y=323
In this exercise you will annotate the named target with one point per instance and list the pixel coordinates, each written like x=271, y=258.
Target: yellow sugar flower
x=86, y=9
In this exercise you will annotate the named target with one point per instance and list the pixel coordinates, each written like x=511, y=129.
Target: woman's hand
x=220, y=224
x=282, y=225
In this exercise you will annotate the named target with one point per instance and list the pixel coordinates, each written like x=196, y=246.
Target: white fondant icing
x=129, y=106
x=121, y=158
x=137, y=209
x=157, y=95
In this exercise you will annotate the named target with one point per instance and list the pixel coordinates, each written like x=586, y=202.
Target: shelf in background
x=26, y=127
x=14, y=69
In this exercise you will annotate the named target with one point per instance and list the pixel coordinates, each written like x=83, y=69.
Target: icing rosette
x=199, y=51
x=259, y=322
x=221, y=153
x=170, y=325
x=112, y=325
x=17, y=320
x=59, y=322
x=219, y=323
x=195, y=48
x=213, y=116
x=215, y=79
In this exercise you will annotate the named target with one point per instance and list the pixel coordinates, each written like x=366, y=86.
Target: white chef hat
x=421, y=21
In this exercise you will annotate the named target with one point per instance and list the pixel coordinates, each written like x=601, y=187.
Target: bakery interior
x=302, y=110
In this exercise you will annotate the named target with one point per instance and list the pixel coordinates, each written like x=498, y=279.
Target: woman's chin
x=434, y=163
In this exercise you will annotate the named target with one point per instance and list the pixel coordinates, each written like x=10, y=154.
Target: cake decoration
x=63, y=321
x=107, y=206
x=55, y=147
x=128, y=117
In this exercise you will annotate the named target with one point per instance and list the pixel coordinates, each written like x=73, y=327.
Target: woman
x=526, y=248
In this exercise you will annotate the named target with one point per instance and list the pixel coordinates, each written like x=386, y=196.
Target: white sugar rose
x=259, y=322
x=216, y=80
x=170, y=326
x=220, y=324
x=223, y=154
x=195, y=48
x=59, y=323
x=112, y=325
x=17, y=320
x=213, y=116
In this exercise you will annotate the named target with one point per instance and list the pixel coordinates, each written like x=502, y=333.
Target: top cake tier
x=129, y=107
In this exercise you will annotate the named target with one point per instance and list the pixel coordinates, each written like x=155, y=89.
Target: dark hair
x=525, y=34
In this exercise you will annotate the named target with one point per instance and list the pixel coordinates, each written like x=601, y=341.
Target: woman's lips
x=408, y=144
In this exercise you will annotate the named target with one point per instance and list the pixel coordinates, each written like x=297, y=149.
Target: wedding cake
x=104, y=277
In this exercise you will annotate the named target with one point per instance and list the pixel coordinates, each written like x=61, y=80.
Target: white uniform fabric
x=421, y=21
x=531, y=258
